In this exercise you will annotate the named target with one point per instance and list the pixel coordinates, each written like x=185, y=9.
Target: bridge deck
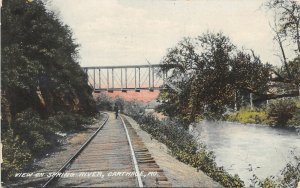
x=127, y=89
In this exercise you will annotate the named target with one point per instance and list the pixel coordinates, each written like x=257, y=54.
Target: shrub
x=298, y=103
x=30, y=136
x=290, y=176
x=185, y=148
x=16, y=154
x=295, y=120
x=281, y=111
x=249, y=116
x=133, y=108
x=70, y=121
x=104, y=102
x=36, y=132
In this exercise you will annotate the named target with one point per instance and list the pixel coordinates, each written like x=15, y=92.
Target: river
x=249, y=149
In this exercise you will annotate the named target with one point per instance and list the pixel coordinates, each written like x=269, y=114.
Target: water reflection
x=249, y=149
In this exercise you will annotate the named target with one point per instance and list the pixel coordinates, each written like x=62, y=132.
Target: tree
x=295, y=70
x=104, y=102
x=39, y=62
x=211, y=72
x=289, y=19
x=287, y=29
x=43, y=87
x=281, y=111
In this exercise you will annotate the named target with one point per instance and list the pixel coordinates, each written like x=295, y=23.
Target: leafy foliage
x=30, y=137
x=290, y=176
x=15, y=154
x=295, y=120
x=104, y=102
x=281, y=111
x=248, y=116
x=295, y=70
x=43, y=88
x=212, y=74
x=287, y=34
x=289, y=19
x=39, y=67
x=184, y=147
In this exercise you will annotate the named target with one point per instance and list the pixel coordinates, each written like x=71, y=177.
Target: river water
x=249, y=149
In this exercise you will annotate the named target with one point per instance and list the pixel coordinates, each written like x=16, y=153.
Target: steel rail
x=54, y=178
x=136, y=167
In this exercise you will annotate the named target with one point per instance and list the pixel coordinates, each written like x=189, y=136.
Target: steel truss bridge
x=126, y=78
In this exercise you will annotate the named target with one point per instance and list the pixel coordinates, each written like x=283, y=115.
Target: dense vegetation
x=213, y=75
x=43, y=88
x=185, y=148
x=290, y=176
x=248, y=115
x=280, y=112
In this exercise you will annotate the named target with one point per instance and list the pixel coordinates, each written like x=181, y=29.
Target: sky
x=127, y=32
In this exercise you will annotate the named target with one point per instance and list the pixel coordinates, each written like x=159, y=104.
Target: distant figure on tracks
x=116, y=109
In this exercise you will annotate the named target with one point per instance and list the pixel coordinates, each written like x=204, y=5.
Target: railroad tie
x=146, y=162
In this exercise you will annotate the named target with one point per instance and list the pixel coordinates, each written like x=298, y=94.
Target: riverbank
x=250, y=149
x=178, y=173
x=284, y=128
x=185, y=148
x=283, y=114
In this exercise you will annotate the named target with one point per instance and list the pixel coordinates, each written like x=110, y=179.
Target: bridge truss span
x=126, y=78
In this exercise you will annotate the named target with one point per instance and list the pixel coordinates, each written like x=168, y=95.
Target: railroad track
x=114, y=156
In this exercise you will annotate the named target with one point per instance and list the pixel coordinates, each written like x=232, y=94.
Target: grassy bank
x=248, y=116
x=278, y=113
x=184, y=147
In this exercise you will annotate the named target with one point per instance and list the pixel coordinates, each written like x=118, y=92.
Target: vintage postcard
x=152, y=93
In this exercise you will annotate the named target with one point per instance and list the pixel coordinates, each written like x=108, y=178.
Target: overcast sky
x=113, y=32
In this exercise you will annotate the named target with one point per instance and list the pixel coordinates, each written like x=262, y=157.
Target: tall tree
x=43, y=88
x=289, y=18
x=211, y=72
x=39, y=61
x=287, y=29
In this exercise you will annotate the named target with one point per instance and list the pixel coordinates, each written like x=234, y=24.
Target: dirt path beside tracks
x=111, y=159
x=178, y=173
x=53, y=161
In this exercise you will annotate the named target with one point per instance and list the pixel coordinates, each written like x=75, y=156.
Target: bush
x=290, y=176
x=281, y=111
x=39, y=134
x=298, y=103
x=248, y=116
x=295, y=120
x=134, y=108
x=71, y=122
x=185, y=148
x=16, y=154
x=104, y=102
x=30, y=136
